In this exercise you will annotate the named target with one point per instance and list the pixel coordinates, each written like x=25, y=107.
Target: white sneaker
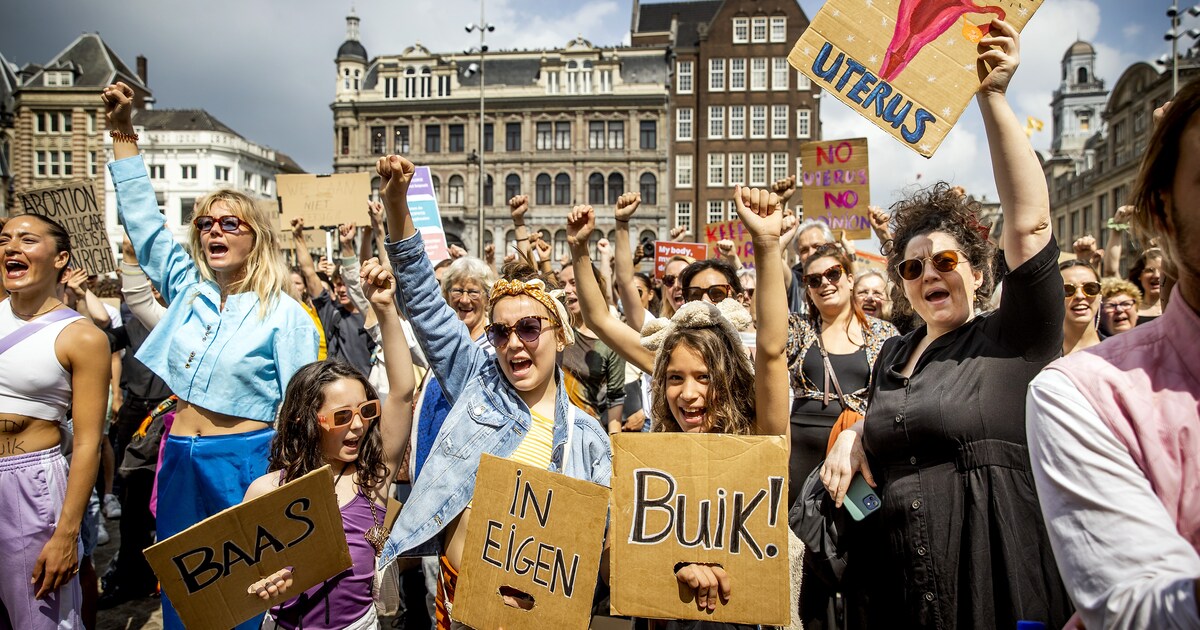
x=112, y=507
x=102, y=537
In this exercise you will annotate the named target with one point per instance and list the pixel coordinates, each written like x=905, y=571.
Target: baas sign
x=908, y=66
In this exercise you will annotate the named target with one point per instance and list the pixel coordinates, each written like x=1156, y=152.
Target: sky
x=265, y=67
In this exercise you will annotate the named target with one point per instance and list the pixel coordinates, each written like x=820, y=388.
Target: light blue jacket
x=487, y=415
x=225, y=360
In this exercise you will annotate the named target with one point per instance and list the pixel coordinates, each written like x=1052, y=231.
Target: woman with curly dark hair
x=958, y=540
x=1147, y=275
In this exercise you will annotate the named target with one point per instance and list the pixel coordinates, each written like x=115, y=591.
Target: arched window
x=616, y=187
x=560, y=245
x=595, y=238
x=542, y=190
x=1083, y=78
x=437, y=188
x=375, y=188
x=595, y=189
x=648, y=235
x=487, y=191
x=512, y=186
x=545, y=234
x=649, y=189
x=510, y=243
x=562, y=189
x=455, y=198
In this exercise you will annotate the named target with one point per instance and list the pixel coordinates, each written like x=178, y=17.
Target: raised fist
x=377, y=281
x=395, y=173
x=785, y=188
x=627, y=204
x=375, y=212
x=517, y=207
x=678, y=232
x=580, y=225
x=725, y=247
x=118, y=107
x=759, y=211
x=346, y=234
x=457, y=252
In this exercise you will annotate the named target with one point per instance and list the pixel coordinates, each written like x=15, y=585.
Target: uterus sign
x=919, y=22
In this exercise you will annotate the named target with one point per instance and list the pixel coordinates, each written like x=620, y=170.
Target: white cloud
x=1132, y=31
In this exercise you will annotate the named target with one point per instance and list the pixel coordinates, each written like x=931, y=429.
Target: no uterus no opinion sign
x=908, y=66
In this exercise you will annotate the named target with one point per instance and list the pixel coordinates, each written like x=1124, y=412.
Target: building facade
x=739, y=112
x=572, y=125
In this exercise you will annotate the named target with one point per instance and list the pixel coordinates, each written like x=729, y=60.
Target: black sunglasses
x=528, y=330
x=716, y=293
x=668, y=280
x=1090, y=289
x=944, y=262
x=229, y=223
x=832, y=274
x=343, y=416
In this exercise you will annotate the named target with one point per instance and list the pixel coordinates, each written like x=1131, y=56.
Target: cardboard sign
x=423, y=205
x=314, y=238
x=534, y=532
x=908, y=66
x=731, y=231
x=705, y=499
x=324, y=200
x=74, y=207
x=206, y=568
x=664, y=250
x=834, y=186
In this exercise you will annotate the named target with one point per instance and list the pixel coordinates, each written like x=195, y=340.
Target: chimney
x=141, y=70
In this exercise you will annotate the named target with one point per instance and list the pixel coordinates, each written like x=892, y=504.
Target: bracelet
x=523, y=238
x=118, y=136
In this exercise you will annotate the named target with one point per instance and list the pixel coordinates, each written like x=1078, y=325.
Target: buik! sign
x=834, y=186
x=534, y=539
x=908, y=66
x=74, y=207
x=711, y=499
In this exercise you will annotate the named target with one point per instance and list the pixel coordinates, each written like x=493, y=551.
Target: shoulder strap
x=29, y=328
x=830, y=375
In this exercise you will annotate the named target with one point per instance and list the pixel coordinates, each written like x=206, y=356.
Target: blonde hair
x=1112, y=287
x=266, y=274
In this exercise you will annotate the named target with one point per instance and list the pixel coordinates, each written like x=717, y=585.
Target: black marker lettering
x=304, y=502
x=190, y=575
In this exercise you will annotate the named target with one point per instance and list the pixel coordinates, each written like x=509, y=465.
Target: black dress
x=959, y=541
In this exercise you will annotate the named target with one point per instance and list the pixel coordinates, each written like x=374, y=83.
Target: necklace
x=38, y=314
x=376, y=535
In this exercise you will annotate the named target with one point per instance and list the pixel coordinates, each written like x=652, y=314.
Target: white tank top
x=32, y=381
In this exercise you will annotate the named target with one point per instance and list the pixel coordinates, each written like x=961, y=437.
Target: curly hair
x=296, y=448
x=1139, y=265
x=730, y=401
x=939, y=208
x=1112, y=287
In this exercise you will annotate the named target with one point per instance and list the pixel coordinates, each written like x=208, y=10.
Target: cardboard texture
x=705, y=499
x=324, y=200
x=74, y=206
x=427, y=218
x=535, y=531
x=733, y=231
x=206, y=568
x=908, y=66
x=314, y=238
x=835, y=186
x=664, y=250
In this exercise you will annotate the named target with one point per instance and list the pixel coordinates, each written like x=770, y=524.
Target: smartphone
x=861, y=499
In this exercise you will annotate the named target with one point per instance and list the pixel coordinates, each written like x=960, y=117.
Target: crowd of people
x=1036, y=455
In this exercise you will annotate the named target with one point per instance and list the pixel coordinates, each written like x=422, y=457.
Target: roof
x=286, y=164
x=1080, y=47
x=94, y=64
x=179, y=120
x=501, y=71
x=352, y=48
x=8, y=83
x=653, y=18
x=645, y=69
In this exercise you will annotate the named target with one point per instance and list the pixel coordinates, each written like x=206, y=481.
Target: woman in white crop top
x=51, y=360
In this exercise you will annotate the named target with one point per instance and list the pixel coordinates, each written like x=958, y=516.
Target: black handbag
x=822, y=527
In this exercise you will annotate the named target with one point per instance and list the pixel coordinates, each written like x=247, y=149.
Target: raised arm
x=759, y=212
x=627, y=205
x=517, y=207
x=398, y=408
x=1117, y=227
x=604, y=251
x=1018, y=173
x=312, y=282
x=350, y=274
x=136, y=288
x=92, y=309
x=624, y=340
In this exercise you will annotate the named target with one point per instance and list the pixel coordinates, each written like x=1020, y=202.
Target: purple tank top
x=344, y=598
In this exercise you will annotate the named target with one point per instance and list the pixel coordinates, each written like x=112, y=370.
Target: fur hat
x=729, y=317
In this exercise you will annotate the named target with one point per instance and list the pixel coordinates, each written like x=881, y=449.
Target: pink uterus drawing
x=920, y=22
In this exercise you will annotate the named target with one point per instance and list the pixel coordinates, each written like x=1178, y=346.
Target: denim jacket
x=486, y=416
x=227, y=359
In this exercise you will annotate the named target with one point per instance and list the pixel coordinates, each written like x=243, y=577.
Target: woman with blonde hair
x=227, y=345
x=1118, y=309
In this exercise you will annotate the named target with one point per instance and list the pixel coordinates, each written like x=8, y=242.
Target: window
x=716, y=75
x=552, y=83
x=391, y=87
x=778, y=29
x=758, y=30
x=65, y=157
x=648, y=133
x=437, y=187
x=543, y=136
x=562, y=189
x=758, y=169
x=221, y=173
x=716, y=212
x=94, y=164
x=716, y=121
x=1087, y=220
x=779, y=166
x=455, y=140
x=541, y=188
x=780, y=71
x=187, y=171
x=683, y=77
x=596, y=134
x=758, y=121
x=737, y=75
x=187, y=209
x=595, y=189
x=1102, y=210
x=741, y=30
x=683, y=214
x=616, y=187
x=433, y=138
x=737, y=168
x=606, y=81
x=758, y=73
x=803, y=83
x=489, y=137
x=512, y=137
x=455, y=190
x=562, y=135
x=802, y=116
x=716, y=169
x=1085, y=120
x=683, y=123
x=737, y=121
x=512, y=186
x=52, y=122
x=60, y=78
x=1074, y=225
x=400, y=140
x=444, y=85
x=40, y=163
x=246, y=183
x=616, y=134
x=91, y=122
x=648, y=186
x=345, y=141
x=159, y=171
x=378, y=140
x=683, y=170
x=779, y=121
x=561, y=247
x=489, y=188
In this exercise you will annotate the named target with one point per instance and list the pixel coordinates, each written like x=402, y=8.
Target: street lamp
x=484, y=28
x=1173, y=36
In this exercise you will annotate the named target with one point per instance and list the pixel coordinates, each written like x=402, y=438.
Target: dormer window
x=60, y=78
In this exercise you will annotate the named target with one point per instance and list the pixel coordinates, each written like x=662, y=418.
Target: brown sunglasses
x=1090, y=289
x=832, y=274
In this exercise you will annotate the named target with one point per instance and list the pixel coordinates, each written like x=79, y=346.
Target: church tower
x=1077, y=103
x=351, y=62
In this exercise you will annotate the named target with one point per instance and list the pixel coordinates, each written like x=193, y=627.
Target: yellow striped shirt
x=535, y=449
